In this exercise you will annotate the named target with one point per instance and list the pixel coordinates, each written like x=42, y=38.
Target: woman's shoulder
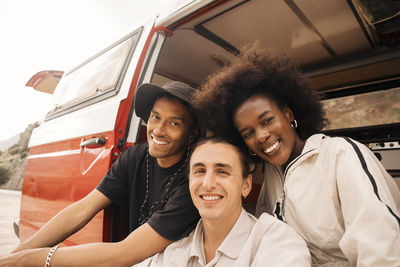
x=270, y=225
x=279, y=234
x=324, y=142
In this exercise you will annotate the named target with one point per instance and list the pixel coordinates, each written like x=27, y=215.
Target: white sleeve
x=372, y=232
x=280, y=245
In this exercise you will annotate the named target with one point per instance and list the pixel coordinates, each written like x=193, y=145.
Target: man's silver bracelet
x=48, y=259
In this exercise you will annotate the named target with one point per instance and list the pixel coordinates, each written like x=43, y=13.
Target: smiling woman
x=256, y=120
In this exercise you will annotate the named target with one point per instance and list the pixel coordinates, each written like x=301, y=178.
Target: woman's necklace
x=142, y=216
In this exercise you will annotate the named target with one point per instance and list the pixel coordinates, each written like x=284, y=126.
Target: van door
x=80, y=137
x=134, y=128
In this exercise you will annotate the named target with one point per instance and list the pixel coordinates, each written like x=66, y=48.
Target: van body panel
x=99, y=118
x=61, y=170
x=58, y=174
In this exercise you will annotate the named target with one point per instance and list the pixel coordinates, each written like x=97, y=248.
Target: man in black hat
x=148, y=179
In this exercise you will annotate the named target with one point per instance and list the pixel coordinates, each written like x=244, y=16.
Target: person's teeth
x=271, y=148
x=158, y=142
x=210, y=197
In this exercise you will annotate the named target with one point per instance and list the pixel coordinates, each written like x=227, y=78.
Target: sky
x=53, y=35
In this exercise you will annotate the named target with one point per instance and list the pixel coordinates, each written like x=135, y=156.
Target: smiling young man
x=149, y=180
x=220, y=176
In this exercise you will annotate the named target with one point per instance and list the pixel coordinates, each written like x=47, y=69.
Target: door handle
x=94, y=142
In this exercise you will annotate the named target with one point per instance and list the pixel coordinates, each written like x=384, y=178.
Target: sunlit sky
x=54, y=35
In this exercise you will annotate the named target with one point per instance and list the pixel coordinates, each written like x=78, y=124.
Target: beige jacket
x=328, y=198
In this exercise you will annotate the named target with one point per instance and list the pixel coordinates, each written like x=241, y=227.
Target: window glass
x=375, y=108
x=95, y=77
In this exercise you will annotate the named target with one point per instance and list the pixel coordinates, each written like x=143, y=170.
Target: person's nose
x=262, y=135
x=159, y=128
x=209, y=181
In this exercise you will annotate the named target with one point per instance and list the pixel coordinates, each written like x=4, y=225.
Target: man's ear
x=247, y=182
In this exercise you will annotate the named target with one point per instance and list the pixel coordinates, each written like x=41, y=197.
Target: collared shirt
x=251, y=242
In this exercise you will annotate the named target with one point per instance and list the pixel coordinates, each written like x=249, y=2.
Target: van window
x=368, y=109
x=98, y=76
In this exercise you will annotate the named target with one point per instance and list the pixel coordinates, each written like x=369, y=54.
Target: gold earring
x=293, y=123
x=251, y=152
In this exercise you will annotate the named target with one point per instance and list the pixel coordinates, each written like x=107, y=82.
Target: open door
x=77, y=141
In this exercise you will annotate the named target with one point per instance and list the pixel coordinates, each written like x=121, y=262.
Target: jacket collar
x=314, y=142
x=311, y=147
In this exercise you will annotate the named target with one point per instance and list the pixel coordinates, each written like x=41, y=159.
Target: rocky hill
x=4, y=144
x=13, y=161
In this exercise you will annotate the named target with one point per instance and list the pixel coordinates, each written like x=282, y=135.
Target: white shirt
x=251, y=242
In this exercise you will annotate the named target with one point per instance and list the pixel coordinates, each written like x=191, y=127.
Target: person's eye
x=154, y=117
x=199, y=171
x=222, y=172
x=175, y=123
x=267, y=121
x=247, y=134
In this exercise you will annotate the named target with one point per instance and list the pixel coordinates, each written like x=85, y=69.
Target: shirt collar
x=196, y=248
x=237, y=237
x=233, y=243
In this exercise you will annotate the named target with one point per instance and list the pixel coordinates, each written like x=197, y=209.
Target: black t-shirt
x=173, y=217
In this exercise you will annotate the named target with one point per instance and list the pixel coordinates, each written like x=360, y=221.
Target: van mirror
x=45, y=81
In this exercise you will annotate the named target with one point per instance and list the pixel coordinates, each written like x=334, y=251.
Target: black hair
x=259, y=71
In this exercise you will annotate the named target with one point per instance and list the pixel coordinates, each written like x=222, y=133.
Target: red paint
x=58, y=175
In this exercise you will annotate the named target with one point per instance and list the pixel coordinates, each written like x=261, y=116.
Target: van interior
x=348, y=49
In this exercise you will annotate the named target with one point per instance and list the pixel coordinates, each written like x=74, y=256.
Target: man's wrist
x=32, y=257
x=49, y=256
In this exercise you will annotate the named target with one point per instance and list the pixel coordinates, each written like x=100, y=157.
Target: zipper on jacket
x=279, y=210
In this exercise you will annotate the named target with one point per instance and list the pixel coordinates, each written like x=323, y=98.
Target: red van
x=350, y=50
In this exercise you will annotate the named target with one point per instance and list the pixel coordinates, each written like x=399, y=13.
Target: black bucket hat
x=147, y=93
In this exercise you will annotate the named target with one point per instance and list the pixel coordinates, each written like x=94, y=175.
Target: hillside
x=13, y=160
x=4, y=144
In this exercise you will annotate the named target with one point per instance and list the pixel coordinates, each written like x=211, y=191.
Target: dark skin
x=267, y=131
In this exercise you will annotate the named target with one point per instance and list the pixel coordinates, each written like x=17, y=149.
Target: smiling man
x=149, y=180
x=220, y=176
